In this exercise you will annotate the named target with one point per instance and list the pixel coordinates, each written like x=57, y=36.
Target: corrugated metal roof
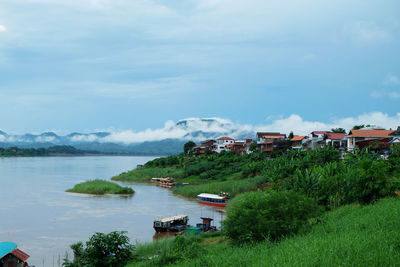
x=173, y=218
x=210, y=196
x=6, y=248
x=298, y=138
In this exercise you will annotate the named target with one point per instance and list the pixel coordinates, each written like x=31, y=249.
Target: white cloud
x=367, y=32
x=3, y=28
x=386, y=94
x=220, y=127
x=391, y=79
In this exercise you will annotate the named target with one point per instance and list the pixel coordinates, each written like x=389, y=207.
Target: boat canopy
x=205, y=195
x=173, y=218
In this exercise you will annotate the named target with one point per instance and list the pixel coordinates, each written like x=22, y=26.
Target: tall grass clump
x=144, y=174
x=100, y=187
x=234, y=187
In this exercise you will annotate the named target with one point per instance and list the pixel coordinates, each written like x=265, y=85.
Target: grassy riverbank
x=100, y=187
x=351, y=235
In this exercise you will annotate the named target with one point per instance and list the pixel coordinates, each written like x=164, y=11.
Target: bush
x=102, y=250
x=256, y=216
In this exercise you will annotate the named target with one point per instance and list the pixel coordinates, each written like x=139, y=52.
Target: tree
x=102, y=250
x=188, y=146
x=338, y=130
x=291, y=135
x=358, y=127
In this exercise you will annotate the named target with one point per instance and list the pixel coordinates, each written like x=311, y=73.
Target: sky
x=136, y=65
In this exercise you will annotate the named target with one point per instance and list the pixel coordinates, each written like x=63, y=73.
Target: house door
x=11, y=264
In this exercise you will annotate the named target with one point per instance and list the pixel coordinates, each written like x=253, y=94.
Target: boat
x=220, y=200
x=155, y=180
x=171, y=224
x=166, y=182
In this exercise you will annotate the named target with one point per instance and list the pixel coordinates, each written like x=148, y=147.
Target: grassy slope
x=100, y=187
x=352, y=235
x=144, y=174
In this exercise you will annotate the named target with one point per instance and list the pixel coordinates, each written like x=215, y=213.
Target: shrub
x=255, y=216
x=102, y=250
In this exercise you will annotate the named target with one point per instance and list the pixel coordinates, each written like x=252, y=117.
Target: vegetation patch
x=352, y=235
x=100, y=187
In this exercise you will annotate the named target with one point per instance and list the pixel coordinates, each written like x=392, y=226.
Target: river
x=44, y=220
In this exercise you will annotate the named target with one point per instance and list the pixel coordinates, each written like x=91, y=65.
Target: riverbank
x=100, y=187
x=351, y=235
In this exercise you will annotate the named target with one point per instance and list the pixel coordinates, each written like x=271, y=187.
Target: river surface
x=44, y=220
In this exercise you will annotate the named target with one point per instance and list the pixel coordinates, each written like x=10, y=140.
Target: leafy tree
x=291, y=135
x=255, y=216
x=102, y=250
x=188, y=146
x=358, y=127
x=338, y=130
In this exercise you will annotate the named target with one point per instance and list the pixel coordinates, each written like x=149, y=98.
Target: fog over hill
x=170, y=138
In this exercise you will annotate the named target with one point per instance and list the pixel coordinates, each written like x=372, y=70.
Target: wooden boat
x=172, y=224
x=167, y=182
x=213, y=200
x=155, y=180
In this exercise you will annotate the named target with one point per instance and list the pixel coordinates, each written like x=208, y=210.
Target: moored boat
x=213, y=200
x=172, y=224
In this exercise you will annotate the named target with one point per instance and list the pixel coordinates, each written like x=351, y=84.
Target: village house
x=207, y=145
x=224, y=144
x=298, y=141
x=269, y=142
x=11, y=256
x=395, y=137
x=336, y=140
x=316, y=139
x=366, y=137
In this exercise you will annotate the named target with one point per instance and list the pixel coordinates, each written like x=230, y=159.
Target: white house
x=222, y=144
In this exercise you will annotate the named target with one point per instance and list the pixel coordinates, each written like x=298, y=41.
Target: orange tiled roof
x=298, y=138
x=225, y=138
x=370, y=133
x=273, y=136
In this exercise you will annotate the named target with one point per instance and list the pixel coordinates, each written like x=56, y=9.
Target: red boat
x=213, y=200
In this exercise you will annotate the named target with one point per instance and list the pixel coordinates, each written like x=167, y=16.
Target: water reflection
x=44, y=220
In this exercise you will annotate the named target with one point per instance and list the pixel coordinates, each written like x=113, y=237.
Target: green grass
x=144, y=174
x=352, y=235
x=100, y=187
x=234, y=187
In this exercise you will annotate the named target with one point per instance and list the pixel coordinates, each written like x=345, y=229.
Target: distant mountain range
x=165, y=141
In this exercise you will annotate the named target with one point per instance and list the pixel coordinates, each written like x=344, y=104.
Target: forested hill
x=38, y=152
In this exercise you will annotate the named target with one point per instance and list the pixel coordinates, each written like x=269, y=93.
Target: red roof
x=20, y=255
x=335, y=136
x=298, y=138
x=225, y=138
x=370, y=133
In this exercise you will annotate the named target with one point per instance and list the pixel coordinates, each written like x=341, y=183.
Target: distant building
x=395, y=137
x=298, y=141
x=362, y=138
x=316, y=139
x=10, y=255
x=223, y=144
x=270, y=142
x=207, y=145
x=336, y=140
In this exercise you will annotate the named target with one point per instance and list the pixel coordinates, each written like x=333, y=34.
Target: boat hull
x=212, y=203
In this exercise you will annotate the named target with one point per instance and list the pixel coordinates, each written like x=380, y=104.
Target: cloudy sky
x=131, y=65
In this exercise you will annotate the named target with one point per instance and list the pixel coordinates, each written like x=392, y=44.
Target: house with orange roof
x=365, y=137
x=298, y=141
x=269, y=142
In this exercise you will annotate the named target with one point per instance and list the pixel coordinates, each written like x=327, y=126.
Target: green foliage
x=100, y=187
x=352, y=235
x=256, y=216
x=338, y=130
x=188, y=146
x=102, y=250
